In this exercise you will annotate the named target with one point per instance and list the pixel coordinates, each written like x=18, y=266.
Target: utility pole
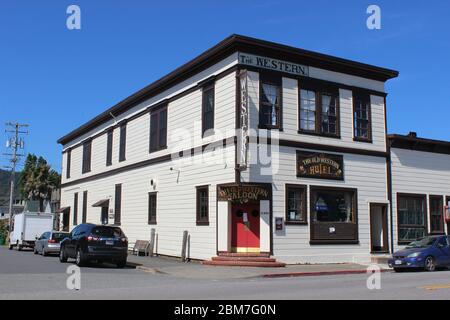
x=14, y=143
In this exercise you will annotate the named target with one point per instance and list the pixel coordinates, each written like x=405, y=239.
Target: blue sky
x=55, y=79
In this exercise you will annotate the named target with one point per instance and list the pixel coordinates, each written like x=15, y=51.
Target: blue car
x=426, y=253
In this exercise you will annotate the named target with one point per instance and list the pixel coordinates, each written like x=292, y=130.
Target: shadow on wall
x=424, y=161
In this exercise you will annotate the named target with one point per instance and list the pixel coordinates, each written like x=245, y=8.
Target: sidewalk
x=195, y=270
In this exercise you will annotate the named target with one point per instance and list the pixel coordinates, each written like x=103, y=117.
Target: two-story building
x=251, y=147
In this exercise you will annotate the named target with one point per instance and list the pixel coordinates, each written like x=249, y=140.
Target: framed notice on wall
x=320, y=165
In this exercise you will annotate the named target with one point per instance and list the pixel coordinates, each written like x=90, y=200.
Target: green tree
x=37, y=180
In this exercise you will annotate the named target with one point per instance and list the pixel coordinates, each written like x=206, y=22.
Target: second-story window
x=362, y=117
x=123, y=142
x=208, y=109
x=329, y=114
x=270, y=103
x=69, y=160
x=158, y=129
x=87, y=151
x=109, y=147
x=319, y=110
x=308, y=110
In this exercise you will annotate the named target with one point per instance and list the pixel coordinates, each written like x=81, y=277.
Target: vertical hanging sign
x=244, y=123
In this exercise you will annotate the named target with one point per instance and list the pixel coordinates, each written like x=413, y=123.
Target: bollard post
x=152, y=242
x=184, y=246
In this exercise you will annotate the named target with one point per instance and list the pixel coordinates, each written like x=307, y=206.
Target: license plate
x=398, y=262
x=109, y=243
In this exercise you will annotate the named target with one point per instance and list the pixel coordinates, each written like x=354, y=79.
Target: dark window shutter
x=208, y=109
x=75, y=209
x=123, y=141
x=69, y=160
x=109, y=147
x=84, y=219
x=118, y=204
x=162, y=143
x=87, y=149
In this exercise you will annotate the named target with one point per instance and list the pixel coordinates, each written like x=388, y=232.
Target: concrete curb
x=318, y=273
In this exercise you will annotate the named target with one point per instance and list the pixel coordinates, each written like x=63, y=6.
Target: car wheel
x=79, y=258
x=430, y=264
x=62, y=256
x=121, y=264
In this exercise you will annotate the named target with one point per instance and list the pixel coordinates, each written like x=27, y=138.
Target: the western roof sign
x=273, y=64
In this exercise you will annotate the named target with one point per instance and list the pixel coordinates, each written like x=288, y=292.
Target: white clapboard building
x=256, y=148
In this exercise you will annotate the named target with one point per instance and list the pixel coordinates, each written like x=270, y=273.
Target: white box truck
x=29, y=226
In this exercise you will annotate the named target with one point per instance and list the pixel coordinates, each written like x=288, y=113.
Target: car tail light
x=51, y=241
x=92, y=238
x=124, y=239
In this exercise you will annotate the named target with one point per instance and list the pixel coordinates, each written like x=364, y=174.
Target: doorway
x=104, y=216
x=65, y=220
x=379, y=242
x=245, y=228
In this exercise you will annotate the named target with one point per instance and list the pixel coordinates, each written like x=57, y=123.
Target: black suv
x=90, y=242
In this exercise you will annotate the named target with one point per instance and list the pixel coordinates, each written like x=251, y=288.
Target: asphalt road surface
x=24, y=275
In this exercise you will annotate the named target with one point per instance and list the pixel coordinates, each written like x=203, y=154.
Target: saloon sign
x=320, y=166
x=243, y=193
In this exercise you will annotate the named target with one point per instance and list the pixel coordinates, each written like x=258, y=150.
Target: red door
x=245, y=228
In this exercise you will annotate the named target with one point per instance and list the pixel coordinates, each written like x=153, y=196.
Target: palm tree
x=37, y=180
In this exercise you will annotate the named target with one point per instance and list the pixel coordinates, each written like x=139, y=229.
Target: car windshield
x=107, y=232
x=59, y=236
x=422, y=243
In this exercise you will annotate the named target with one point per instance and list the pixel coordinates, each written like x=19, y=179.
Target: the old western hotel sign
x=320, y=165
x=243, y=193
x=273, y=64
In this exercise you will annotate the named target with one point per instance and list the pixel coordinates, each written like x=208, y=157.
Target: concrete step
x=250, y=259
x=380, y=259
x=243, y=263
x=250, y=255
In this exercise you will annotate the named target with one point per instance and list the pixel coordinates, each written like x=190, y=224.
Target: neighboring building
x=18, y=206
x=421, y=187
x=323, y=195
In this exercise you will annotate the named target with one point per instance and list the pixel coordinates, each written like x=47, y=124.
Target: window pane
x=296, y=205
x=307, y=110
x=411, y=217
x=333, y=206
x=436, y=212
x=361, y=118
x=270, y=105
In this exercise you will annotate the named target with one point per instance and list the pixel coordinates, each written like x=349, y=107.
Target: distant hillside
x=4, y=186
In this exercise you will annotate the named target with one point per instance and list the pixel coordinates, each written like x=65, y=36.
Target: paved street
x=26, y=276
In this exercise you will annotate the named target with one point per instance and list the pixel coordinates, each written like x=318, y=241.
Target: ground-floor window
x=411, y=211
x=296, y=204
x=203, y=205
x=436, y=214
x=333, y=215
x=152, y=207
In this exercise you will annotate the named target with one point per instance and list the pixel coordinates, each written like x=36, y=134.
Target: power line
x=14, y=143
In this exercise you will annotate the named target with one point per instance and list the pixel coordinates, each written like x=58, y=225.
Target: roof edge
x=228, y=46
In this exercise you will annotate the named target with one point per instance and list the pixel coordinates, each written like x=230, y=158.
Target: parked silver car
x=49, y=242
